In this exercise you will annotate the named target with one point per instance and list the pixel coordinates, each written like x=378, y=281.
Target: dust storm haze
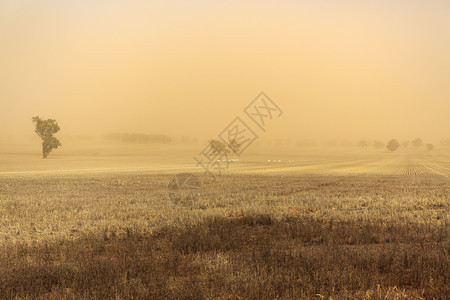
x=346, y=195
x=338, y=69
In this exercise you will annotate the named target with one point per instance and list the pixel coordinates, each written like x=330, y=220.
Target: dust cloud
x=338, y=69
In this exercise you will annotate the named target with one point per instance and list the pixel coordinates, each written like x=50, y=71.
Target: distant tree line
x=394, y=144
x=139, y=138
x=365, y=144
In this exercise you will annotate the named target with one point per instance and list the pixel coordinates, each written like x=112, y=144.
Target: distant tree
x=378, y=144
x=363, y=144
x=393, y=145
x=430, y=147
x=405, y=144
x=142, y=138
x=234, y=145
x=218, y=147
x=417, y=142
x=45, y=130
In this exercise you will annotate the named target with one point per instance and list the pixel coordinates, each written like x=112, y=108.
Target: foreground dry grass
x=252, y=257
x=305, y=236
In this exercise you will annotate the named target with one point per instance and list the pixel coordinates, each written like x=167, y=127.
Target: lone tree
x=430, y=147
x=393, y=145
x=363, y=144
x=234, y=145
x=417, y=142
x=218, y=147
x=45, y=130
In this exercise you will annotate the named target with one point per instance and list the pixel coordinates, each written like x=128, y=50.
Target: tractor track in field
x=435, y=168
x=417, y=169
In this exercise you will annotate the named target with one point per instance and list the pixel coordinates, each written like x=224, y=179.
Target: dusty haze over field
x=338, y=69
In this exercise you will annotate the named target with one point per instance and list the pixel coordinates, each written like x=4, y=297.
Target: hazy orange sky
x=338, y=69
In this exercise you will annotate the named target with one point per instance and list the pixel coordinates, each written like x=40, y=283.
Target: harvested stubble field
x=362, y=226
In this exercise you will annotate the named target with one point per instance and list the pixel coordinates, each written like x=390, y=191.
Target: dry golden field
x=97, y=223
x=339, y=111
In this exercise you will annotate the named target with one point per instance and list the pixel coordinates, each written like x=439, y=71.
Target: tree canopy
x=218, y=147
x=417, y=142
x=393, y=145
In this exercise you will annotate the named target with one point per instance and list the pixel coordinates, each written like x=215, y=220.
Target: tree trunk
x=44, y=151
